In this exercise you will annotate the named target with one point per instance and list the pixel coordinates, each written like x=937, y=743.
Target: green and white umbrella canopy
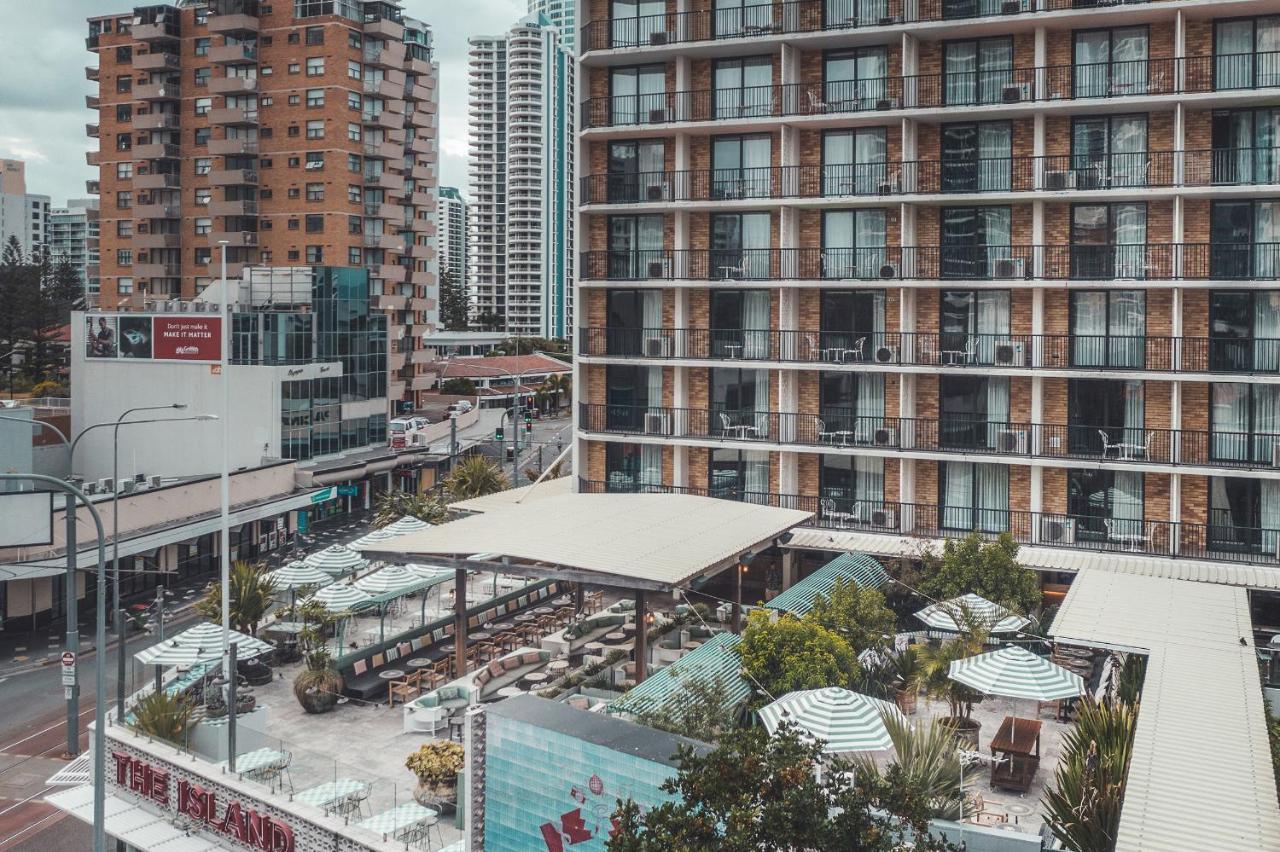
x=341, y=598
x=390, y=579
x=201, y=643
x=847, y=721
x=297, y=575
x=407, y=524
x=1015, y=672
x=950, y=615
x=336, y=560
x=428, y=572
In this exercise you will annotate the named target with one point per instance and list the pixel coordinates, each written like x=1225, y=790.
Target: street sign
x=69, y=692
x=26, y=518
x=69, y=669
x=348, y=490
x=323, y=495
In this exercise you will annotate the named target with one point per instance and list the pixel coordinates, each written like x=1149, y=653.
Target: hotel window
x=354, y=70
x=1108, y=151
x=976, y=243
x=1104, y=413
x=1107, y=505
x=203, y=105
x=315, y=223
x=972, y=325
x=977, y=72
x=1244, y=422
x=977, y=157
x=851, y=407
x=973, y=414
x=124, y=286
x=741, y=166
x=124, y=200
x=743, y=87
x=1109, y=241
x=1244, y=514
x=638, y=95
x=632, y=394
x=203, y=135
x=315, y=254
x=636, y=247
x=1107, y=63
x=633, y=319
x=353, y=101
x=204, y=165
x=740, y=246
x=1246, y=53
x=636, y=171
x=124, y=171
x=854, y=485
x=1108, y=328
x=353, y=132
x=856, y=79
x=124, y=257
x=202, y=47
x=1246, y=146
x=853, y=243
x=203, y=195
x=1244, y=331
x=632, y=467
x=739, y=475
x=315, y=98
x=739, y=402
x=854, y=162
x=203, y=256
x=204, y=226
x=635, y=22
x=974, y=496
x=740, y=324
x=315, y=129
x=1245, y=239
x=315, y=35
x=852, y=328
x=315, y=66
x=732, y=18
x=315, y=192
x=202, y=76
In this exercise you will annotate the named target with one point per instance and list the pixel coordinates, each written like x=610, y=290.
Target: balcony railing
x=1221, y=539
x=1079, y=262
x=1009, y=86
x=1129, y=171
x=1072, y=352
x=836, y=427
x=803, y=16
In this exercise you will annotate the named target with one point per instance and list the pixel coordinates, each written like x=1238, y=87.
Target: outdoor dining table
x=328, y=793
x=1018, y=742
x=479, y=635
x=594, y=648
x=543, y=610
x=563, y=600
x=264, y=758
x=505, y=625
x=390, y=673
x=555, y=667
x=535, y=678
x=419, y=662
x=389, y=823
x=510, y=692
x=525, y=617
x=615, y=636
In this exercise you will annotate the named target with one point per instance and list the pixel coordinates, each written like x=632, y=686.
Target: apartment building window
x=294, y=192
x=315, y=254
x=1245, y=239
x=315, y=223
x=202, y=46
x=976, y=242
x=294, y=254
x=202, y=76
x=315, y=66
x=973, y=413
x=124, y=112
x=851, y=404
x=124, y=286
x=977, y=72
x=634, y=22
x=636, y=247
x=354, y=257
x=355, y=225
x=124, y=142
x=124, y=54
x=353, y=163
x=353, y=132
x=203, y=226
x=1244, y=331
x=354, y=40
x=203, y=196
x=1246, y=53
x=315, y=129
x=638, y=95
x=315, y=35
x=294, y=68
x=124, y=171
x=203, y=165
x=739, y=397
x=1104, y=412
x=854, y=485
x=633, y=318
x=1109, y=151
x=292, y=224
x=741, y=17
x=853, y=243
x=1108, y=328
x=353, y=101
x=203, y=105
x=1112, y=62
x=974, y=496
x=1246, y=146
x=124, y=84
x=738, y=474
x=972, y=324
x=1109, y=240
x=739, y=323
x=353, y=193
x=124, y=227
x=741, y=166
x=124, y=200
x=295, y=100
x=354, y=71
x=977, y=157
x=740, y=245
x=851, y=321
x=315, y=98
x=631, y=467
x=743, y=87
x=315, y=160
x=630, y=392
x=1244, y=422
x=203, y=256
x=854, y=162
x=1244, y=514
x=636, y=171
x=315, y=192
x=856, y=79
x=203, y=135
x=201, y=17
x=1106, y=505
x=293, y=38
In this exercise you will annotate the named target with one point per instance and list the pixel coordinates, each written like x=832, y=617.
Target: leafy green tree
x=453, y=302
x=756, y=792
x=790, y=654
x=475, y=476
x=701, y=709
x=856, y=613
x=986, y=568
x=458, y=387
x=394, y=505
x=251, y=591
x=489, y=321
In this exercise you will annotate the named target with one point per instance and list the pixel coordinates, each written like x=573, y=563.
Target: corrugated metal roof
x=1200, y=777
x=858, y=568
x=523, y=494
x=716, y=658
x=662, y=538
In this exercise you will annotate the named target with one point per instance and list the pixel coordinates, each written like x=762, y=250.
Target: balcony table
x=733, y=349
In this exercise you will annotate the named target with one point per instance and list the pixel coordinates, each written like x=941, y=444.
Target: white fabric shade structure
x=298, y=575
x=1015, y=672
x=202, y=643
x=336, y=560
x=407, y=524
x=846, y=721
x=950, y=615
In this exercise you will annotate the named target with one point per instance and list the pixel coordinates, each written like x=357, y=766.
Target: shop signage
x=348, y=490
x=322, y=496
x=68, y=668
x=233, y=819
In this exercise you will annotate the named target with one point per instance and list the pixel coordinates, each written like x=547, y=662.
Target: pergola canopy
x=857, y=568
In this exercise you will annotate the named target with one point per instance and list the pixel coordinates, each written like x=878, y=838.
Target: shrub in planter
x=436, y=765
x=318, y=686
x=935, y=663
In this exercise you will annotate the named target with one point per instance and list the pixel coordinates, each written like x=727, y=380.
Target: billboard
x=154, y=337
x=26, y=518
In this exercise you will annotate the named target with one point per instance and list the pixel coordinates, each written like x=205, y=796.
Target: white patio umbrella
x=407, y=524
x=336, y=560
x=201, y=643
x=847, y=721
x=949, y=615
x=298, y=575
x=1015, y=672
x=341, y=599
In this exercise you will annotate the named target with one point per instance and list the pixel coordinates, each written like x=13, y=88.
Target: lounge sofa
x=431, y=712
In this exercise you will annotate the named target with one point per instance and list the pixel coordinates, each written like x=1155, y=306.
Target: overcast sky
x=42, y=83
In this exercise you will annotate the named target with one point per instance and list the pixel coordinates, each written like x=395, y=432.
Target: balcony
x=390, y=303
x=238, y=25
x=156, y=211
x=390, y=56
x=155, y=121
x=156, y=241
x=233, y=177
x=385, y=180
x=233, y=85
x=388, y=242
x=392, y=273
x=1023, y=263
x=384, y=28
x=233, y=116
x=384, y=88
x=233, y=208
x=233, y=147
x=156, y=61
x=92, y=72
x=376, y=210
x=159, y=31
x=157, y=92
x=92, y=131
x=235, y=239
x=1223, y=541
x=157, y=270
x=386, y=119
x=233, y=54
x=92, y=101
x=93, y=187
x=383, y=150
x=93, y=158
x=156, y=151
x=156, y=181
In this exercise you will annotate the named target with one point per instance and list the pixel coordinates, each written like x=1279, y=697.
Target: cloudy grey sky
x=42, y=83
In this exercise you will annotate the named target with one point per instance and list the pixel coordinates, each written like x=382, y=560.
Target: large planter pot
x=964, y=731
x=318, y=692
x=906, y=699
x=432, y=795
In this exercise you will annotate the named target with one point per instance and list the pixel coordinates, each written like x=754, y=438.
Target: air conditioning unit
x=1008, y=267
x=886, y=519
x=1012, y=441
x=107, y=485
x=655, y=423
x=127, y=486
x=885, y=355
x=657, y=347
x=886, y=436
x=1060, y=179
x=656, y=39
x=1010, y=7
x=1058, y=530
x=311, y=167
x=155, y=481
x=90, y=488
x=889, y=270
x=183, y=307
x=658, y=192
x=890, y=20
x=1275, y=453
x=657, y=269
x=658, y=116
x=1011, y=353
x=887, y=103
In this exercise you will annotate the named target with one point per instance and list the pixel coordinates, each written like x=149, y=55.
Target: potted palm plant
x=164, y=716
x=908, y=678
x=319, y=685
x=935, y=662
x=436, y=765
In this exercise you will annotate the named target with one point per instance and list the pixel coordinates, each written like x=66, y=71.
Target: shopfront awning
x=138, y=825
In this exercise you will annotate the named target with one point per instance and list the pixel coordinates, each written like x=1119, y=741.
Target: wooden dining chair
x=403, y=689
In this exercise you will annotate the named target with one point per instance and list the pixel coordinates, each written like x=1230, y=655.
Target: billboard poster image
x=100, y=336
x=179, y=338
x=135, y=337
x=152, y=337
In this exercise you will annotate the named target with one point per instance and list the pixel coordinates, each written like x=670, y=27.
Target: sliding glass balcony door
x=1245, y=237
x=973, y=414
x=739, y=403
x=1109, y=151
x=853, y=243
x=636, y=171
x=1244, y=422
x=1244, y=331
x=855, y=162
x=1107, y=505
x=974, y=496
x=634, y=23
x=1108, y=328
x=977, y=72
x=740, y=246
x=1109, y=241
x=1106, y=418
x=851, y=406
x=740, y=324
x=636, y=248
x=735, y=18
x=854, y=486
x=1108, y=63
x=1244, y=515
x=633, y=397
x=741, y=166
x=856, y=79
x=739, y=475
x=743, y=87
x=852, y=323
x=975, y=241
x=638, y=95
x=1246, y=146
x=1246, y=53
x=634, y=320
x=977, y=157
x=631, y=468
x=972, y=325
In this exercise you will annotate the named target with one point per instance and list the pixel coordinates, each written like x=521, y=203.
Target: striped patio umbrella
x=199, y=644
x=297, y=575
x=950, y=615
x=847, y=721
x=340, y=599
x=1015, y=672
x=388, y=580
x=407, y=524
x=336, y=560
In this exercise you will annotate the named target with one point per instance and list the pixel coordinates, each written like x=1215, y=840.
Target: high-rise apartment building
x=293, y=133
x=561, y=15
x=22, y=215
x=522, y=188
x=929, y=268
x=451, y=213
x=73, y=237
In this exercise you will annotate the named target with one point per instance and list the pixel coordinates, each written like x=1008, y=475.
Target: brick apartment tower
x=303, y=132
x=928, y=267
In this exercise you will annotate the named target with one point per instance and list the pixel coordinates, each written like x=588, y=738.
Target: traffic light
x=498, y=434
x=528, y=426
x=528, y=418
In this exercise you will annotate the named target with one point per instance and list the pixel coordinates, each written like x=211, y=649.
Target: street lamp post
x=224, y=499
x=518, y=377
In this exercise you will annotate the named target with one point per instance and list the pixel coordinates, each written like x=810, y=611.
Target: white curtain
x=1266, y=422
x=762, y=402
x=870, y=410
x=1230, y=413
x=650, y=464
x=1269, y=516
x=870, y=153
x=755, y=324
x=1134, y=415
x=838, y=169
x=651, y=312
x=877, y=324
x=1127, y=327
x=997, y=408
x=1234, y=54
x=1266, y=331
x=1129, y=60
x=1126, y=503
x=1092, y=53
x=869, y=241
x=755, y=245
x=957, y=496
x=992, y=320
x=995, y=148
x=755, y=478
x=869, y=478
x=1130, y=224
x=1089, y=338
x=992, y=482
x=997, y=230
x=961, y=74
x=1266, y=239
x=1128, y=165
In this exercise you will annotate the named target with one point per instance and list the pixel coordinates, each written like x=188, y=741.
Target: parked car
x=403, y=429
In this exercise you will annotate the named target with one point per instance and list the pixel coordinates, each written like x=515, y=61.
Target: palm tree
x=475, y=476
x=926, y=766
x=394, y=505
x=163, y=716
x=1083, y=805
x=251, y=592
x=558, y=383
